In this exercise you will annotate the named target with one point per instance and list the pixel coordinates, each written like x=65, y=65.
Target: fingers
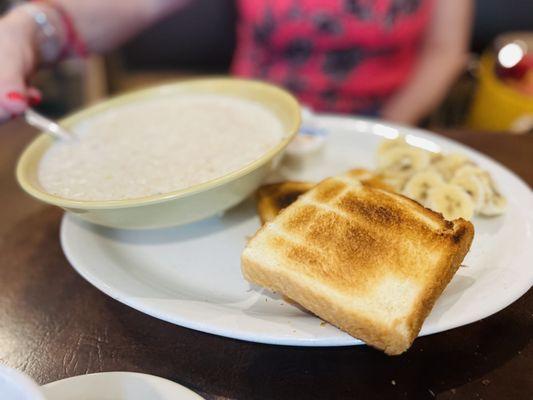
x=12, y=103
x=14, y=94
x=15, y=102
x=15, y=99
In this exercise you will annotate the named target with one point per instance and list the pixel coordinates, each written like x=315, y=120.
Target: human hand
x=17, y=62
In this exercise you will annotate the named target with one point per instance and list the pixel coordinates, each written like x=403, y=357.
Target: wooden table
x=54, y=325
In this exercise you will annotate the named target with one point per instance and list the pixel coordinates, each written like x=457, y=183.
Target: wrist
x=49, y=34
x=23, y=31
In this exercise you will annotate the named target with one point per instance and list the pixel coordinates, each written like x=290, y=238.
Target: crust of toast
x=366, y=260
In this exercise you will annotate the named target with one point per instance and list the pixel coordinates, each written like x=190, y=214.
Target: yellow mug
x=496, y=106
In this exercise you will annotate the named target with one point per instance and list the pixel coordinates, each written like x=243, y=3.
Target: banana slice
x=448, y=164
x=419, y=185
x=388, y=144
x=470, y=178
x=403, y=160
x=448, y=183
x=451, y=201
x=495, y=206
x=492, y=203
x=495, y=203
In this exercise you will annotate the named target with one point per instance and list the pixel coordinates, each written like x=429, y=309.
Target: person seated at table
x=393, y=59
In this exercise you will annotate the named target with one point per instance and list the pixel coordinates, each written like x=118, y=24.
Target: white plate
x=117, y=386
x=191, y=275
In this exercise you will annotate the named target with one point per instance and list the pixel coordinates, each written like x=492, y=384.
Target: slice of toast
x=367, y=260
x=273, y=198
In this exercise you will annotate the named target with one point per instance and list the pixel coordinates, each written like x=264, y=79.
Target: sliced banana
x=494, y=206
x=495, y=203
x=448, y=164
x=449, y=183
x=492, y=203
x=388, y=144
x=452, y=201
x=419, y=185
x=395, y=181
x=470, y=178
x=403, y=160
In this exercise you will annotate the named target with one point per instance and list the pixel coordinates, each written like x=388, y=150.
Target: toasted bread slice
x=275, y=197
x=367, y=260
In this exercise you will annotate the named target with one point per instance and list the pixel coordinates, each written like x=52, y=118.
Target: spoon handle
x=39, y=121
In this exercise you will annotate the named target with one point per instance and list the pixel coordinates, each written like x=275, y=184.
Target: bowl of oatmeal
x=163, y=156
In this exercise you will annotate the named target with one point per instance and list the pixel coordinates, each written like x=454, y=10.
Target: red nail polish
x=16, y=96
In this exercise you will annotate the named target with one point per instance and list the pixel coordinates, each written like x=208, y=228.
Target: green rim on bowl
x=279, y=101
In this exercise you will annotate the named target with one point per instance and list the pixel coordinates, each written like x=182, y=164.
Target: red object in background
x=520, y=75
x=519, y=70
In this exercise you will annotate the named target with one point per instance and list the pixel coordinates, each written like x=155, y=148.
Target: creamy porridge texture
x=158, y=146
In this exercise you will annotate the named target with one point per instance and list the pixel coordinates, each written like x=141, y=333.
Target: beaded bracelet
x=52, y=46
x=74, y=44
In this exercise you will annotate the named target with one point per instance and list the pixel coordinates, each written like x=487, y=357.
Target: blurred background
x=203, y=37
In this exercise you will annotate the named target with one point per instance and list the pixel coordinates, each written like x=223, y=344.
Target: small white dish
x=14, y=385
x=191, y=275
x=117, y=386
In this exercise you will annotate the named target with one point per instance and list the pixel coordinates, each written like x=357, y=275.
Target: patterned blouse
x=335, y=55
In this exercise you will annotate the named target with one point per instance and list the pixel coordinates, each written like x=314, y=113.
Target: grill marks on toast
x=329, y=190
x=340, y=248
x=372, y=212
x=426, y=216
x=301, y=255
x=300, y=219
x=334, y=242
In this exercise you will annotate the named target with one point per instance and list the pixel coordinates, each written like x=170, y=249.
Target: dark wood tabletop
x=53, y=324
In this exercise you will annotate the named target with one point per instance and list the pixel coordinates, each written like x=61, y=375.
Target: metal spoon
x=39, y=121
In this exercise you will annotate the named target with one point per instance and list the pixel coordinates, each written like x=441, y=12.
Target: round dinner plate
x=190, y=275
x=117, y=386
